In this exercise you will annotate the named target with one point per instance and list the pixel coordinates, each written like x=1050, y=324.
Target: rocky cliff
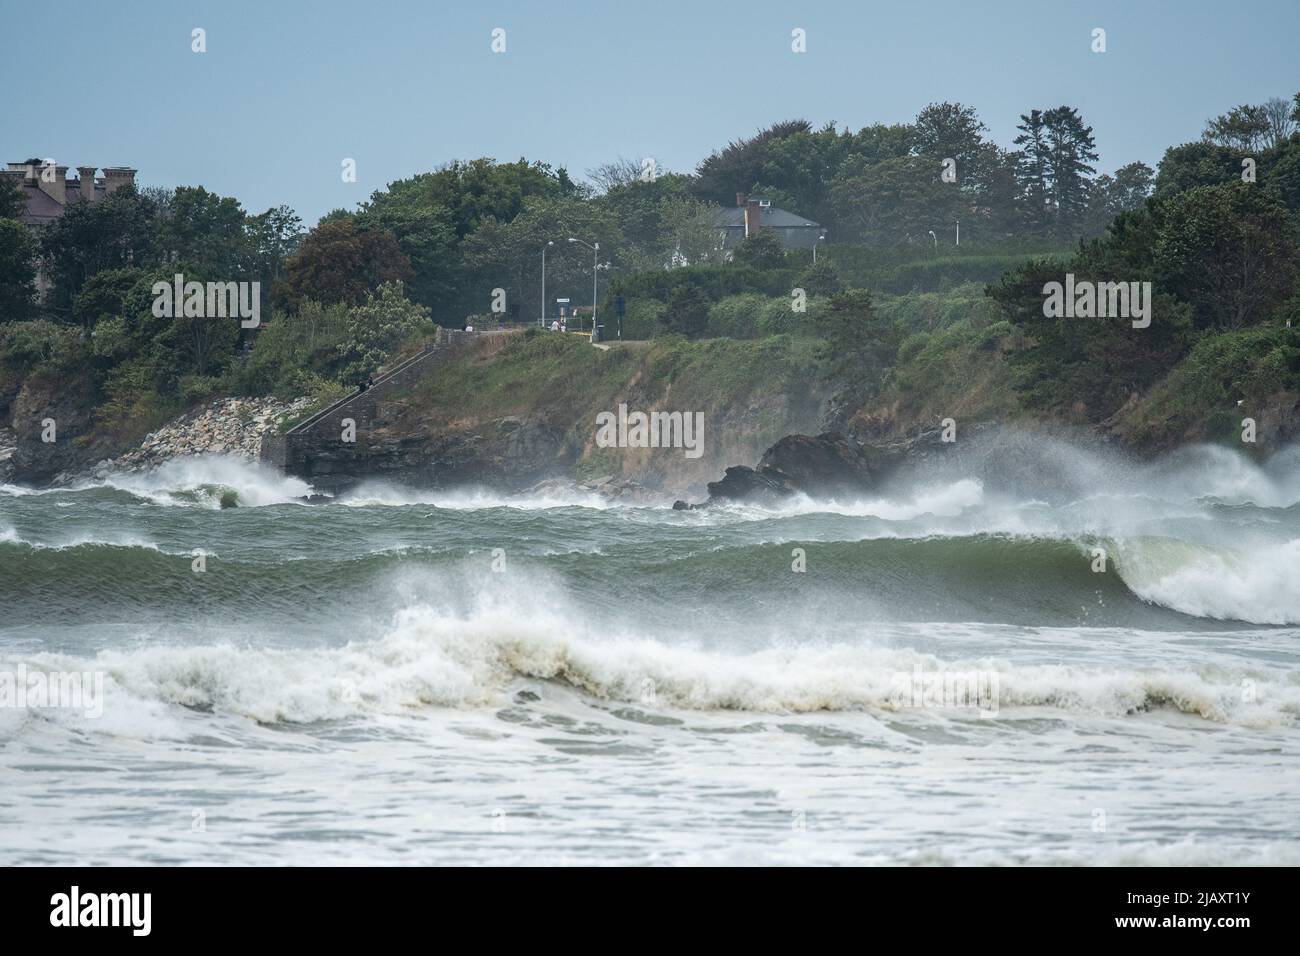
x=511, y=413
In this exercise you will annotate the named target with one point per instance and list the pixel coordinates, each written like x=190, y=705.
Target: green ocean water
x=404, y=675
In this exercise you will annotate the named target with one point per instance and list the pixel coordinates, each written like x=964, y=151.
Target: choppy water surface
x=371, y=681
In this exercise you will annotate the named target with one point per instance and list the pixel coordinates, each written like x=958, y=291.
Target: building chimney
x=53, y=181
x=86, y=183
x=17, y=173
x=753, y=217
x=740, y=200
x=115, y=177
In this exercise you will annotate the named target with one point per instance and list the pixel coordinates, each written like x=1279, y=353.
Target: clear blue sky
x=288, y=89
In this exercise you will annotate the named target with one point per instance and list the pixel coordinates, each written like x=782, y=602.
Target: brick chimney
x=53, y=181
x=115, y=177
x=86, y=183
x=740, y=200
x=753, y=217
x=17, y=173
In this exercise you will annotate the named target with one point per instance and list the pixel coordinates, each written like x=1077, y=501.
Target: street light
x=815, y=241
x=936, y=242
x=542, y=320
x=595, y=265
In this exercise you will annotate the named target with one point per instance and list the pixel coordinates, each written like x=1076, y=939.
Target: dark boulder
x=825, y=466
x=742, y=483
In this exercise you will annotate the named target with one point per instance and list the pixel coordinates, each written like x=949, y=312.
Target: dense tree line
x=1213, y=228
x=884, y=185
x=1219, y=243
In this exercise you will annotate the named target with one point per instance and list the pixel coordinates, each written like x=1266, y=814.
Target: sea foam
x=430, y=658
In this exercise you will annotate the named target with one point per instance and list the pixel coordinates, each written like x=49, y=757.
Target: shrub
x=736, y=316
x=42, y=346
x=821, y=279
x=134, y=404
x=687, y=312
x=778, y=318
x=641, y=320
x=377, y=329
x=198, y=388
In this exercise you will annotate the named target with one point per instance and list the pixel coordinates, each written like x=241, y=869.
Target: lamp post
x=815, y=241
x=936, y=242
x=959, y=232
x=595, y=265
x=542, y=320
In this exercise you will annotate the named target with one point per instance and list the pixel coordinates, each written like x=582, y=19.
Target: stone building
x=47, y=192
x=752, y=213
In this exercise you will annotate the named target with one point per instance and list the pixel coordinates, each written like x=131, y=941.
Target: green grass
x=557, y=372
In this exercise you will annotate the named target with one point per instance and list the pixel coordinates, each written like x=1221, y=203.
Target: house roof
x=772, y=217
x=41, y=207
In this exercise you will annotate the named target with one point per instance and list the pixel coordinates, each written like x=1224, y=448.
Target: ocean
x=1041, y=654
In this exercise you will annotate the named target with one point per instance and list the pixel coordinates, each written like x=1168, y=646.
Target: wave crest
x=433, y=659
x=1261, y=586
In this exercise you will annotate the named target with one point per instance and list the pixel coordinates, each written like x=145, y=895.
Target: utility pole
x=542, y=319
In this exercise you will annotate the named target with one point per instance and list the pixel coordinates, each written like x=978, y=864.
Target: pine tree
x=1032, y=169
x=1071, y=152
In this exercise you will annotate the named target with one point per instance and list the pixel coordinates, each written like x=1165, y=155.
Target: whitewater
x=405, y=675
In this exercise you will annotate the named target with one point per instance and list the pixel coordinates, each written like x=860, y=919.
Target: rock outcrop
x=8, y=445
x=508, y=453
x=826, y=466
x=53, y=428
x=505, y=411
x=742, y=483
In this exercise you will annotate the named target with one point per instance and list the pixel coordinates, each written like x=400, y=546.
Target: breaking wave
x=1260, y=585
x=432, y=659
x=1025, y=579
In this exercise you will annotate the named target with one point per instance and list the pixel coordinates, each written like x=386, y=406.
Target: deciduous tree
x=341, y=262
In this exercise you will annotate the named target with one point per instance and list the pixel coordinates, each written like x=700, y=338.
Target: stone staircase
x=314, y=448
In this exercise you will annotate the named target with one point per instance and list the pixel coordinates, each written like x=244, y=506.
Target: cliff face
x=1153, y=423
x=53, y=429
x=972, y=381
x=511, y=452
x=508, y=412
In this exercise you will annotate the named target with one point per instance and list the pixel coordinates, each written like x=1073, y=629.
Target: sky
x=288, y=90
